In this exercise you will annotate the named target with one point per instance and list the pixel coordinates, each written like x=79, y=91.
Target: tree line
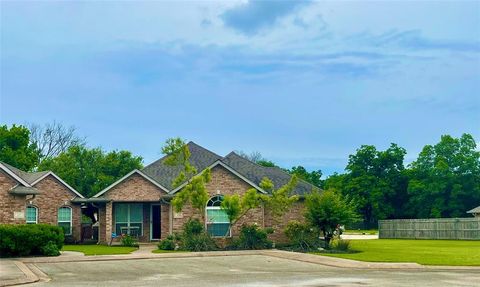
x=444, y=180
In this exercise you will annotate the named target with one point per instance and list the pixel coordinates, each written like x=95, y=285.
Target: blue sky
x=302, y=82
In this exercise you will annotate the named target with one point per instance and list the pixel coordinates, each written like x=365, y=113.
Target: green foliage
x=313, y=177
x=328, y=209
x=302, y=236
x=128, y=241
x=377, y=182
x=16, y=149
x=279, y=201
x=445, y=179
x=30, y=239
x=266, y=163
x=50, y=249
x=253, y=237
x=167, y=243
x=341, y=245
x=91, y=170
x=195, y=191
x=195, y=238
x=236, y=206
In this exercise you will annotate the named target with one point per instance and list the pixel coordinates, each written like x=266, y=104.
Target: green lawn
x=99, y=249
x=426, y=252
x=168, y=251
x=361, y=231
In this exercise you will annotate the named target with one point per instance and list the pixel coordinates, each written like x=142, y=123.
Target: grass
x=426, y=252
x=168, y=251
x=361, y=231
x=99, y=249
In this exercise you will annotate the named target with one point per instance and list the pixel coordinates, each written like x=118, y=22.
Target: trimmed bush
x=167, y=243
x=194, y=237
x=253, y=237
x=302, y=237
x=30, y=239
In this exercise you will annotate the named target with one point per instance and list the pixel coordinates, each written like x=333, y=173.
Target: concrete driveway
x=251, y=270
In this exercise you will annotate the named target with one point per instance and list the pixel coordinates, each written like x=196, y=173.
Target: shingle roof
x=164, y=174
x=256, y=173
x=29, y=177
x=202, y=158
x=475, y=210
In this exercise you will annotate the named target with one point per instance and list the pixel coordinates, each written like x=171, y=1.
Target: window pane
x=136, y=212
x=64, y=214
x=218, y=229
x=67, y=228
x=31, y=214
x=217, y=215
x=121, y=212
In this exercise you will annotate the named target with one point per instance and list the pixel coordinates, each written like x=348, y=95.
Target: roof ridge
x=273, y=167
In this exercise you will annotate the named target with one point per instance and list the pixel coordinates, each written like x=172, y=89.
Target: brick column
x=108, y=221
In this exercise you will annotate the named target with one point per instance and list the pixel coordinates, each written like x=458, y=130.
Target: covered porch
x=146, y=221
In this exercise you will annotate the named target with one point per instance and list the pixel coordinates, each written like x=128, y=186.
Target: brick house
x=139, y=203
x=38, y=197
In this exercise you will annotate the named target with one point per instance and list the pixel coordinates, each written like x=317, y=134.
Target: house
x=139, y=203
x=475, y=212
x=38, y=197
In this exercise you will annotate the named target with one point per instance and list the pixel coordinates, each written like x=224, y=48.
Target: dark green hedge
x=30, y=239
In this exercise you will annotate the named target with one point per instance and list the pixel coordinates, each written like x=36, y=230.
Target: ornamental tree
x=194, y=190
x=326, y=210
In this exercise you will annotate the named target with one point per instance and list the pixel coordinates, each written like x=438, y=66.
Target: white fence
x=433, y=228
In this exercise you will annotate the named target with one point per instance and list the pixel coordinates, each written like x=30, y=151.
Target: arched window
x=32, y=214
x=217, y=220
x=65, y=219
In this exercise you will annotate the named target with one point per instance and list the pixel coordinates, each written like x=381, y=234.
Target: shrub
x=341, y=245
x=29, y=239
x=302, y=236
x=253, y=237
x=129, y=241
x=194, y=237
x=167, y=243
x=50, y=249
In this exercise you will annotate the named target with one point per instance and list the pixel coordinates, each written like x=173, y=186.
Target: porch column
x=108, y=221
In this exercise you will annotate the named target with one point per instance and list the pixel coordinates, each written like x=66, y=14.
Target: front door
x=155, y=222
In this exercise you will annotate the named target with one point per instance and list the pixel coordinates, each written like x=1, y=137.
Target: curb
x=30, y=277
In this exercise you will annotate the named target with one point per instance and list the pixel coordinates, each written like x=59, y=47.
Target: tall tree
x=313, y=177
x=445, y=179
x=376, y=180
x=257, y=158
x=91, y=170
x=16, y=148
x=53, y=139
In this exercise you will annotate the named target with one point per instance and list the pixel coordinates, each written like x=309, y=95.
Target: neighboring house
x=139, y=203
x=38, y=197
x=475, y=212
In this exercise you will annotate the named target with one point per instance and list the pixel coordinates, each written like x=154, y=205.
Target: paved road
x=250, y=271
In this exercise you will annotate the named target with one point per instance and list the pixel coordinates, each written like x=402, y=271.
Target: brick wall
x=53, y=196
x=10, y=203
x=133, y=189
x=278, y=224
x=223, y=182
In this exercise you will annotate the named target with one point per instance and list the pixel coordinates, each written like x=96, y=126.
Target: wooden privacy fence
x=433, y=228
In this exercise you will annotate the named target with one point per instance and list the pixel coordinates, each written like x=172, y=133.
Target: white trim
x=36, y=214
x=12, y=174
x=71, y=219
x=59, y=179
x=151, y=220
x=207, y=208
x=128, y=175
x=218, y=162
